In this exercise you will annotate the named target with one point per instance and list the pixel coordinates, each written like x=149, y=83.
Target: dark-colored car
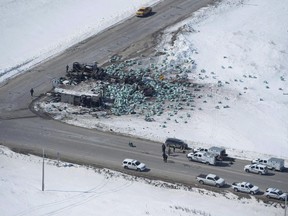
x=176, y=143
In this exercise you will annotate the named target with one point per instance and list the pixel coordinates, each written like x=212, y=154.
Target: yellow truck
x=144, y=11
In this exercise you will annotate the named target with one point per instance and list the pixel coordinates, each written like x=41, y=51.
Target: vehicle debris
x=126, y=88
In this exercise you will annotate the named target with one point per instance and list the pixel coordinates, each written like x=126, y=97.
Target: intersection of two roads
x=24, y=130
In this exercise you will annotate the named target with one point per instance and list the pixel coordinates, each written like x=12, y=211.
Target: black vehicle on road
x=176, y=144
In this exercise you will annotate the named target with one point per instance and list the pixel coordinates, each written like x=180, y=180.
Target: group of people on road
x=164, y=155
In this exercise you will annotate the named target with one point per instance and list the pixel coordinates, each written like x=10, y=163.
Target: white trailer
x=271, y=163
x=218, y=150
x=276, y=164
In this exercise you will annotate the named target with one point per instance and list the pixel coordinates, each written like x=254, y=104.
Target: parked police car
x=256, y=168
x=133, y=164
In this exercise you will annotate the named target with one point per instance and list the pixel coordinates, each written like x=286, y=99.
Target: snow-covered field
x=77, y=190
x=237, y=50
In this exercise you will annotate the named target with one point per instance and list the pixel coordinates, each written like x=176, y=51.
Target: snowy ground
x=77, y=190
x=240, y=63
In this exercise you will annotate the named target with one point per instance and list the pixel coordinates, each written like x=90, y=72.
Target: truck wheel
x=236, y=189
x=189, y=158
x=217, y=185
x=252, y=193
x=260, y=173
x=138, y=169
x=207, y=163
x=201, y=182
x=268, y=196
x=125, y=167
x=247, y=170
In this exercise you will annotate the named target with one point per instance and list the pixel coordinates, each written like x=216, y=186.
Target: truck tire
x=201, y=182
x=125, y=167
x=217, y=185
x=260, y=173
x=236, y=189
x=247, y=170
x=138, y=169
x=189, y=158
x=252, y=193
x=268, y=196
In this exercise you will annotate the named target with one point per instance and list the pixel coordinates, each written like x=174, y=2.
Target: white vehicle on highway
x=271, y=163
x=211, y=179
x=275, y=193
x=245, y=187
x=260, y=161
x=221, y=152
x=256, y=168
x=133, y=164
x=203, y=157
x=199, y=149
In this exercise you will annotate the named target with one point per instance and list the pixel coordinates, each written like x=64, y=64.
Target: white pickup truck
x=245, y=187
x=203, y=157
x=221, y=152
x=211, y=179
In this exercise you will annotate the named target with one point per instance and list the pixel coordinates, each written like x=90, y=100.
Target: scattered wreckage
x=126, y=88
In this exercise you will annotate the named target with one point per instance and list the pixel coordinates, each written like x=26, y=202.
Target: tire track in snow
x=73, y=201
x=39, y=207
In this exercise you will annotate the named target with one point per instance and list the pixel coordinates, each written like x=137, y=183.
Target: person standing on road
x=163, y=148
x=31, y=92
x=67, y=68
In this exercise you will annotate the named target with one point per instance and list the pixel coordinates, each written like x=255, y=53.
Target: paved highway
x=22, y=130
